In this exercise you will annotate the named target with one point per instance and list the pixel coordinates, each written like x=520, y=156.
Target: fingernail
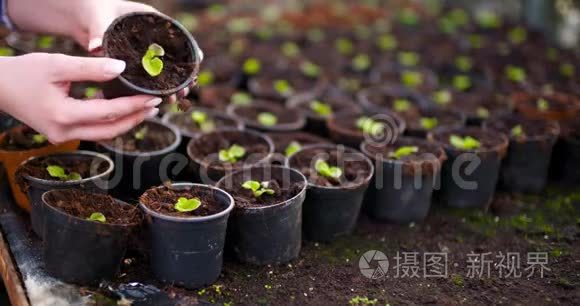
x=153, y=102
x=115, y=67
x=152, y=113
x=95, y=43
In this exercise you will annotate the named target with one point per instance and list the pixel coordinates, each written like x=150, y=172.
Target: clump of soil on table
x=21, y=139
x=130, y=38
x=157, y=137
x=163, y=199
x=82, y=204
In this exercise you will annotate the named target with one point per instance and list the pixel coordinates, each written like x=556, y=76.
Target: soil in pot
x=266, y=226
x=398, y=99
x=353, y=129
x=200, y=120
x=148, y=136
x=187, y=227
x=430, y=121
x=407, y=172
x=22, y=139
x=266, y=116
x=525, y=167
x=335, y=197
x=477, y=105
x=71, y=240
x=554, y=106
x=287, y=143
x=281, y=85
x=204, y=151
x=470, y=175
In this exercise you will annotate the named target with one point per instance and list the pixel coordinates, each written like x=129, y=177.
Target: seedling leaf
x=91, y=92
x=232, y=154
x=517, y=35
x=401, y=105
x=408, y=17
x=257, y=188
x=290, y=49
x=141, y=133
x=543, y=104
x=267, y=119
x=361, y=62
x=429, y=123
x=310, y=70
x=39, y=138
x=442, y=97
x=252, y=66
x=568, y=70
x=151, y=62
x=369, y=126
x=205, y=78
x=186, y=205
x=387, y=42
x=320, y=108
x=292, y=148
x=326, y=170
x=60, y=173
x=482, y=112
x=461, y=82
x=515, y=74
x=412, y=78
x=45, y=42
x=464, y=143
x=97, y=217
x=283, y=87
x=463, y=63
x=408, y=59
x=5, y=51
x=517, y=131
x=403, y=151
x=241, y=98
x=344, y=46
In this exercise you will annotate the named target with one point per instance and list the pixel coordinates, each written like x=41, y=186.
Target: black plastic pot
x=331, y=212
x=402, y=190
x=122, y=87
x=97, y=183
x=188, y=251
x=267, y=234
x=80, y=251
x=469, y=178
x=137, y=171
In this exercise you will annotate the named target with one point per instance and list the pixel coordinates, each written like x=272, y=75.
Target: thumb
x=77, y=69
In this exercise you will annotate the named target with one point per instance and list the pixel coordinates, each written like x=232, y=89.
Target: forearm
x=46, y=16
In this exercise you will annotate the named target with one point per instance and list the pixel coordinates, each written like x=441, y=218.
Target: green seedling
x=290, y=49
x=310, y=69
x=408, y=17
x=141, y=133
x=203, y=121
x=362, y=301
x=387, y=42
x=568, y=70
x=408, y=59
x=464, y=143
x=442, y=97
x=320, y=108
x=239, y=25
x=315, y=35
x=462, y=82
x=344, y=46
x=267, y=119
x=476, y=41
x=482, y=112
x=459, y=16
x=60, y=173
x=446, y=25
x=5, y=51
x=241, y=98
x=429, y=123
x=517, y=35
x=186, y=205
x=517, y=131
x=324, y=169
x=463, y=63
x=265, y=33
x=91, y=92
x=361, y=62
x=97, y=217
x=292, y=148
x=205, y=78
x=257, y=188
x=515, y=74
x=39, y=139
x=189, y=21
x=232, y=154
x=401, y=105
x=369, y=126
x=283, y=87
x=216, y=11
x=403, y=152
x=543, y=104
x=488, y=19
x=412, y=78
x=45, y=42
x=252, y=66
x=151, y=61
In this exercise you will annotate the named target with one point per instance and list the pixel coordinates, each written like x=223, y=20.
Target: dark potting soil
x=337, y=104
x=186, y=123
x=557, y=103
x=18, y=139
x=427, y=159
x=384, y=100
x=277, y=181
x=82, y=204
x=130, y=39
x=347, y=123
x=86, y=166
x=157, y=137
x=250, y=113
x=283, y=139
x=530, y=128
x=163, y=199
x=444, y=119
x=355, y=167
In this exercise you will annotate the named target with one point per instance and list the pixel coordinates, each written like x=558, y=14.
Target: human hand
x=34, y=89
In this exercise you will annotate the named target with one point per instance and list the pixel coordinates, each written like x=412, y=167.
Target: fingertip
x=115, y=67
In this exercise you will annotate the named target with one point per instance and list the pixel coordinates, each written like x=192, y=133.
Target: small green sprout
x=239, y=25
x=543, y=104
x=408, y=17
x=412, y=78
x=408, y=59
x=267, y=119
x=403, y=152
x=369, y=126
x=241, y=98
x=310, y=69
x=91, y=92
x=39, y=138
x=141, y=133
x=344, y=46
x=186, y=205
x=257, y=188
x=461, y=82
x=459, y=16
x=283, y=87
x=517, y=131
x=205, y=78
x=217, y=11
x=401, y=105
x=442, y=97
x=151, y=61
x=97, y=217
x=5, y=51
x=60, y=173
x=568, y=70
x=320, y=108
x=429, y=123
x=362, y=301
x=463, y=63
x=464, y=143
x=361, y=62
x=515, y=74
x=488, y=19
x=518, y=35
x=252, y=66
x=232, y=154
x=45, y=42
x=315, y=35
x=265, y=33
x=290, y=49
x=189, y=21
x=476, y=41
x=482, y=112
x=447, y=25
x=203, y=121
x=324, y=169
x=292, y=148
x=387, y=42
